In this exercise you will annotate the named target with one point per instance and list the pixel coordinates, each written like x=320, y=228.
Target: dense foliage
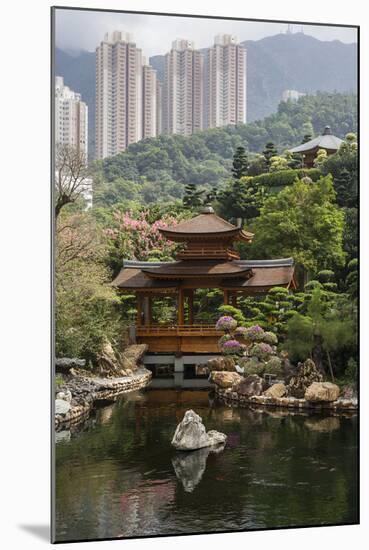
x=309, y=214
x=304, y=222
x=159, y=168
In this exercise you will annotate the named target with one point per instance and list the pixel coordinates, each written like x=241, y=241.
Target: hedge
x=284, y=177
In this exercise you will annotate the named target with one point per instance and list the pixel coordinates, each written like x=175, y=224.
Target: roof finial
x=207, y=209
x=327, y=131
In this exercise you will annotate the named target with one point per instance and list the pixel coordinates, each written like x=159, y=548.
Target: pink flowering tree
x=133, y=237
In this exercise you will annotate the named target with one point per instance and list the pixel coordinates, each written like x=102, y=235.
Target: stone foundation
x=231, y=397
x=87, y=391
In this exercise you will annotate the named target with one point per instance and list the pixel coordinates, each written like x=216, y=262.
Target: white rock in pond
x=191, y=434
x=61, y=406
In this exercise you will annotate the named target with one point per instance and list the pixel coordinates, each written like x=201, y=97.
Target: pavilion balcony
x=179, y=338
x=178, y=330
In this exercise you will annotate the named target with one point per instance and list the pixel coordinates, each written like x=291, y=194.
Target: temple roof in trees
x=252, y=275
x=205, y=226
x=206, y=258
x=326, y=141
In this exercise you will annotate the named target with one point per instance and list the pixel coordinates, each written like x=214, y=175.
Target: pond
x=119, y=477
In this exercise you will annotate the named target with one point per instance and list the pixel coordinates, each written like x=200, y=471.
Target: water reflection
x=118, y=476
x=190, y=466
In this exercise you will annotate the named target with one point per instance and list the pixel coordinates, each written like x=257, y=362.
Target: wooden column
x=139, y=309
x=150, y=310
x=234, y=300
x=226, y=297
x=180, y=307
x=190, y=307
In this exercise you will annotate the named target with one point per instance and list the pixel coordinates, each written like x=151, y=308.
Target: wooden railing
x=207, y=252
x=176, y=330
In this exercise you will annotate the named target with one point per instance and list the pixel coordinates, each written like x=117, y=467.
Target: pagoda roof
x=255, y=275
x=326, y=141
x=205, y=225
x=185, y=269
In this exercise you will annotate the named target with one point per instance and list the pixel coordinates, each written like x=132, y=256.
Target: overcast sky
x=83, y=30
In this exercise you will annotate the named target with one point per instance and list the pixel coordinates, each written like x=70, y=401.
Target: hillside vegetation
x=160, y=167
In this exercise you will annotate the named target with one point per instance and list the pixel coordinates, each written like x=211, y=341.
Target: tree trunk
x=317, y=353
x=330, y=365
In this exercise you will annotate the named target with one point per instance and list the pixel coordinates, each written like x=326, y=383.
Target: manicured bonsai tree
x=254, y=349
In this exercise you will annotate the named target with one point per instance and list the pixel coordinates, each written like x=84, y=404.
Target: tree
x=304, y=222
x=342, y=184
x=351, y=233
x=70, y=177
x=325, y=329
x=294, y=160
x=240, y=163
x=87, y=306
x=133, y=236
x=241, y=199
x=193, y=197
x=257, y=165
x=269, y=152
x=343, y=166
x=320, y=158
x=277, y=163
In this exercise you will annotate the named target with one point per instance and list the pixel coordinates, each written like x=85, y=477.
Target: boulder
x=64, y=364
x=66, y=395
x=225, y=379
x=132, y=356
x=191, y=434
x=108, y=363
x=62, y=406
x=221, y=364
x=322, y=392
x=306, y=374
x=276, y=391
x=249, y=386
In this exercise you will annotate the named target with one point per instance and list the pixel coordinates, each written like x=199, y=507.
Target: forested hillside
x=162, y=166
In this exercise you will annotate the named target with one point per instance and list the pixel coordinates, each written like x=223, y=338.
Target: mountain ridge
x=274, y=64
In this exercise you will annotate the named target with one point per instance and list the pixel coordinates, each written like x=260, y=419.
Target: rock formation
x=276, y=391
x=112, y=364
x=322, y=392
x=307, y=373
x=191, y=434
x=225, y=379
x=251, y=385
x=64, y=364
x=131, y=357
x=221, y=364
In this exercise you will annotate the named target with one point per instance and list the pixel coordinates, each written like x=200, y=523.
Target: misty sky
x=83, y=30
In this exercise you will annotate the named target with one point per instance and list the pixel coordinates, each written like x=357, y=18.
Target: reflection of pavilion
x=207, y=260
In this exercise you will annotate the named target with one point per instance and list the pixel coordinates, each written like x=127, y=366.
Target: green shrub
x=274, y=366
x=281, y=178
x=252, y=366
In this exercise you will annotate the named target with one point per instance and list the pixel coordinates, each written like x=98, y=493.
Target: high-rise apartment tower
x=125, y=95
x=183, y=89
x=225, y=82
x=71, y=113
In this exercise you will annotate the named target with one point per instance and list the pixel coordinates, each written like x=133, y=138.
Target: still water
x=119, y=477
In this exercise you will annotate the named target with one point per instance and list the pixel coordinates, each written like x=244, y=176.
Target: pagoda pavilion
x=326, y=141
x=207, y=259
